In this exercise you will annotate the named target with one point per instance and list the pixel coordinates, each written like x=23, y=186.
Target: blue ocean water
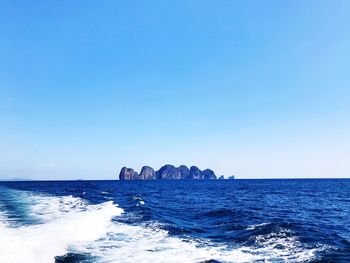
x=175, y=221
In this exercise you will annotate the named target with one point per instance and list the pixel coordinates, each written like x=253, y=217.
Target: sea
x=289, y=220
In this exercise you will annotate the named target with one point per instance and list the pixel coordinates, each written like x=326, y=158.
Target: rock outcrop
x=185, y=172
x=195, y=173
x=147, y=173
x=208, y=174
x=126, y=174
x=136, y=176
x=167, y=172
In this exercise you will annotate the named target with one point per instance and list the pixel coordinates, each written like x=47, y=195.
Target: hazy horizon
x=259, y=89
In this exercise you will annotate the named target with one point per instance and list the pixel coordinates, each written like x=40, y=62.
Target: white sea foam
x=253, y=227
x=282, y=245
x=66, y=221
x=126, y=243
x=139, y=200
x=3, y=218
x=69, y=224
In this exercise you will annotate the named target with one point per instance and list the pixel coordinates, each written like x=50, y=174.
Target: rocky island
x=167, y=172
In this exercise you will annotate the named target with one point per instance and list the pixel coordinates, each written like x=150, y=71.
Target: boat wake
x=69, y=229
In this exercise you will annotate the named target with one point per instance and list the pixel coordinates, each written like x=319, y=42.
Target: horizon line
x=266, y=178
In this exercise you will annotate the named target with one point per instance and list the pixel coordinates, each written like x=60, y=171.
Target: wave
x=62, y=221
x=127, y=243
x=69, y=227
x=253, y=227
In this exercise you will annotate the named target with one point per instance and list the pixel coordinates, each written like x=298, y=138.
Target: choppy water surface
x=175, y=221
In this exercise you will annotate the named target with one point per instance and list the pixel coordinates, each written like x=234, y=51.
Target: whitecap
x=253, y=227
x=69, y=224
x=137, y=243
x=63, y=221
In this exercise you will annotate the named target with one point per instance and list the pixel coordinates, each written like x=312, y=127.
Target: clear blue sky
x=255, y=88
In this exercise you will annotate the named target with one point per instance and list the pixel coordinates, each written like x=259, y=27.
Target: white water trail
x=64, y=221
x=69, y=224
